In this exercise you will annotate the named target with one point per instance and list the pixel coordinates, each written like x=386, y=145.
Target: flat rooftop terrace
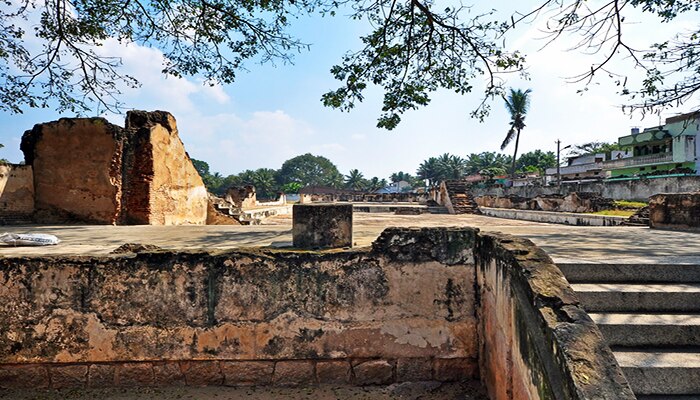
x=563, y=243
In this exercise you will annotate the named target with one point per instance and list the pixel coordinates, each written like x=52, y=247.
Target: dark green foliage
x=310, y=170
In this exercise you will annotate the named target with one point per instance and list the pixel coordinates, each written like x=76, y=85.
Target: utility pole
x=559, y=149
x=558, y=163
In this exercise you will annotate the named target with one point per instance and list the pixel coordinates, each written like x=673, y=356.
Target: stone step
x=620, y=297
x=661, y=372
x=656, y=330
x=681, y=273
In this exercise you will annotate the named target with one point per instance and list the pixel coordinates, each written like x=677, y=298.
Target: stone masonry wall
x=77, y=170
x=421, y=304
x=243, y=317
x=16, y=189
x=679, y=211
x=536, y=342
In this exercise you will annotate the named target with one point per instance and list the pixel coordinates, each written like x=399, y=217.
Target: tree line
x=310, y=170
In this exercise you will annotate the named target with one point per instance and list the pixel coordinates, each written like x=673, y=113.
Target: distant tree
x=291, y=187
x=430, y=170
x=265, y=182
x=402, y=176
x=536, y=161
x=594, y=148
x=355, y=180
x=517, y=104
x=482, y=161
x=308, y=169
x=451, y=166
x=375, y=184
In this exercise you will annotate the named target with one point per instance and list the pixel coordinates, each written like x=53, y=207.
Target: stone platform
x=563, y=243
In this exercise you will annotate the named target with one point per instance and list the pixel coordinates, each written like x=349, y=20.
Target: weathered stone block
x=168, y=374
x=335, y=372
x=414, y=369
x=68, y=376
x=375, y=372
x=101, y=375
x=455, y=369
x=319, y=226
x=23, y=377
x=135, y=374
x=294, y=373
x=247, y=373
x=202, y=373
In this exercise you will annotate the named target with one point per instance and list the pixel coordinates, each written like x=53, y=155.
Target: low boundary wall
x=551, y=217
x=636, y=190
x=421, y=304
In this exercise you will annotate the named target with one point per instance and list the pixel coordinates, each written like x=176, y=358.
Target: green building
x=670, y=149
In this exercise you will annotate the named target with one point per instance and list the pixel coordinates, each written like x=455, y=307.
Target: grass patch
x=630, y=204
x=619, y=213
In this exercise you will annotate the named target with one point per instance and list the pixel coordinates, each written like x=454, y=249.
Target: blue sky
x=274, y=113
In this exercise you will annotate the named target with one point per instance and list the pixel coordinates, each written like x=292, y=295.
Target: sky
x=273, y=113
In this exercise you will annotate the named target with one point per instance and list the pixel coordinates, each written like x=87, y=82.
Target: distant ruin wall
x=87, y=170
x=77, y=170
x=420, y=198
x=634, y=190
x=573, y=202
x=536, y=342
x=257, y=317
x=679, y=211
x=16, y=189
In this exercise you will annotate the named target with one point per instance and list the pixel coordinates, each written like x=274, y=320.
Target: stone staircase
x=462, y=201
x=650, y=316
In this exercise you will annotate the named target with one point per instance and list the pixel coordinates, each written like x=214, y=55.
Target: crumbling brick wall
x=91, y=171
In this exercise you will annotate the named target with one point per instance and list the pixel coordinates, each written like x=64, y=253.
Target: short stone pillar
x=322, y=226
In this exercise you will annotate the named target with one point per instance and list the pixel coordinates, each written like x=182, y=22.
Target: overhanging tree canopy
x=414, y=48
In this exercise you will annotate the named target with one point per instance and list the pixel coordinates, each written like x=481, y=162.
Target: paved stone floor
x=564, y=243
x=402, y=391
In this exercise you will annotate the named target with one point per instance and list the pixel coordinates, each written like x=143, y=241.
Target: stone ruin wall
x=16, y=190
x=173, y=193
x=90, y=171
x=420, y=198
x=679, y=211
x=77, y=170
x=573, y=202
x=489, y=306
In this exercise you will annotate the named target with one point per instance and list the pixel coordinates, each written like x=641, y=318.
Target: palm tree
x=354, y=180
x=430, y=170
x=517, y=104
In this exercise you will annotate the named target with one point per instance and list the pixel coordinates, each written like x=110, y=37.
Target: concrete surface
x=573, y=244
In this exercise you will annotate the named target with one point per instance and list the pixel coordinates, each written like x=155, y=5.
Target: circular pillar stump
x=322, y=226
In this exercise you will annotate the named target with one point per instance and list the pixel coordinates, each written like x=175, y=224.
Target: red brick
x=202, y=373
x=135, y=374
x=376, y=372
x=414, y=369
x=24, y=377
x=333, y=372
x=247, y=373
x=68, y=376
x=294, y=373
